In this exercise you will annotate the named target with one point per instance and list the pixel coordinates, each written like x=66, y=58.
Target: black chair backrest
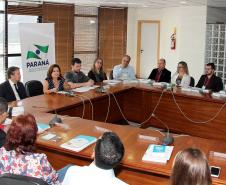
x=34, y=88
x=12, y=179
x=192, y=82
x=111, y=75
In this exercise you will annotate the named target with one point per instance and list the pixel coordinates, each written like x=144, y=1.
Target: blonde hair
x=94, y=67
x=185, y=66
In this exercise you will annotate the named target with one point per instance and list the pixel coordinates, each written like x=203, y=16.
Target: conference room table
x=134, y=102
x=191, y=113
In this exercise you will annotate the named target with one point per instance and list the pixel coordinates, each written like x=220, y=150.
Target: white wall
x=215, y=15
x=190, y=23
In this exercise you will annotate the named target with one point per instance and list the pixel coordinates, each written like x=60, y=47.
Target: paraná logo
x=37, y=57
x=38, y=50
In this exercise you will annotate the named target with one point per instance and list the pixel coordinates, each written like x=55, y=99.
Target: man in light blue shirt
x=124, y=71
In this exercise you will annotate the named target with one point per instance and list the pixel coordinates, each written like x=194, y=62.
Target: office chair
x=111, y=75
x=34, y=88
x=192, y=82
x=12, y=179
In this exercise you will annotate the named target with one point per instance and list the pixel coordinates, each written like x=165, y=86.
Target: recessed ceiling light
x=123, y=3
x=183, y=2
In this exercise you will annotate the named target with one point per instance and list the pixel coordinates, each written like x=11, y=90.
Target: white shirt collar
x=11, y=82
x=106, y=173
x=14, y=89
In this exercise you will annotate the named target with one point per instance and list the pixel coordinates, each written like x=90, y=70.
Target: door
x=148, y=47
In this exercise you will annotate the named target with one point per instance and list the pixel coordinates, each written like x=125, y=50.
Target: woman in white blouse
x=181, y=77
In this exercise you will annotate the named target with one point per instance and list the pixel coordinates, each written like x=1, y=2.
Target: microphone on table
x=101, y=89
x=55, y=120
x=168, y=138
x=70, y=93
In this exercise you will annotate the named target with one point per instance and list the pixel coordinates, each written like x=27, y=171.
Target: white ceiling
x=137, y=3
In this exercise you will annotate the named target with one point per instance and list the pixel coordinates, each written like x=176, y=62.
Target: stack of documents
x=79, y=143
x=158, y=153
x=17, y=111
x=85, y=89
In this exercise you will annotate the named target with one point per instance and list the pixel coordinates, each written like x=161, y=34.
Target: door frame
x=139, y=25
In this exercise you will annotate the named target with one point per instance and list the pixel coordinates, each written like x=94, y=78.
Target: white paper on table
x=17, y=111
x=146, y=81
x=82, y=89
x=7, y=121
x=152, y=156
x=129, y=81
x=94, y=86
x=112, y=82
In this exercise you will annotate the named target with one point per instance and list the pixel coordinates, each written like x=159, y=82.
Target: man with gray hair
x=160, y=74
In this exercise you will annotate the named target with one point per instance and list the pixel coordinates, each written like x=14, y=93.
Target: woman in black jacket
x=97, y=73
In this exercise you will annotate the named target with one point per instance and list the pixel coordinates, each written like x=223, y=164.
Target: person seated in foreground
x=3, y=116
x=210, y=81
x=76, y=78
x=12, y=89
x=191, y=168
x=124, y=71
x=54, y=81
x=181, y=77
x=161, y=74
x=97, y=73
x=108, y=153
x=17, y=155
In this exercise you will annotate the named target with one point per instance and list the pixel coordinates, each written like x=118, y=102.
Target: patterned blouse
x=32, y=164
x=51, y=84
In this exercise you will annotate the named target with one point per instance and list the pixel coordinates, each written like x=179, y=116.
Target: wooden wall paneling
x=100, y=109
x=25, y=10
x=112, y=35
x=63, y=17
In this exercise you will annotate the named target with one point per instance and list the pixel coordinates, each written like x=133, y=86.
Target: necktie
x=17, y=90
x=158, y=75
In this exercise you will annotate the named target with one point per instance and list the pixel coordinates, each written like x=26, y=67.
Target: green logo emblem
x=38, y=50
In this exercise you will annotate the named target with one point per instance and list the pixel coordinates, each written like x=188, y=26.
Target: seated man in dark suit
x=161, y=74
x=210, y=80
x=3, y=116
x=13, y=89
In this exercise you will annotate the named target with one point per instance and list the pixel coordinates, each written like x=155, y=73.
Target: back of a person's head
x=22, y=134
x=75, y=61
x=109, y=151
x=191, y=168
x=3, y=105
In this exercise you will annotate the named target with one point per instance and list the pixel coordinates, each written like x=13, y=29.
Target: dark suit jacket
x=2, y=137
x=165, y=76
x=6, y=91
x=215, y=83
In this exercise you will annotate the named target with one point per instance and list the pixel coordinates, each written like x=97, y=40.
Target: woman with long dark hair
x=54, y=81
